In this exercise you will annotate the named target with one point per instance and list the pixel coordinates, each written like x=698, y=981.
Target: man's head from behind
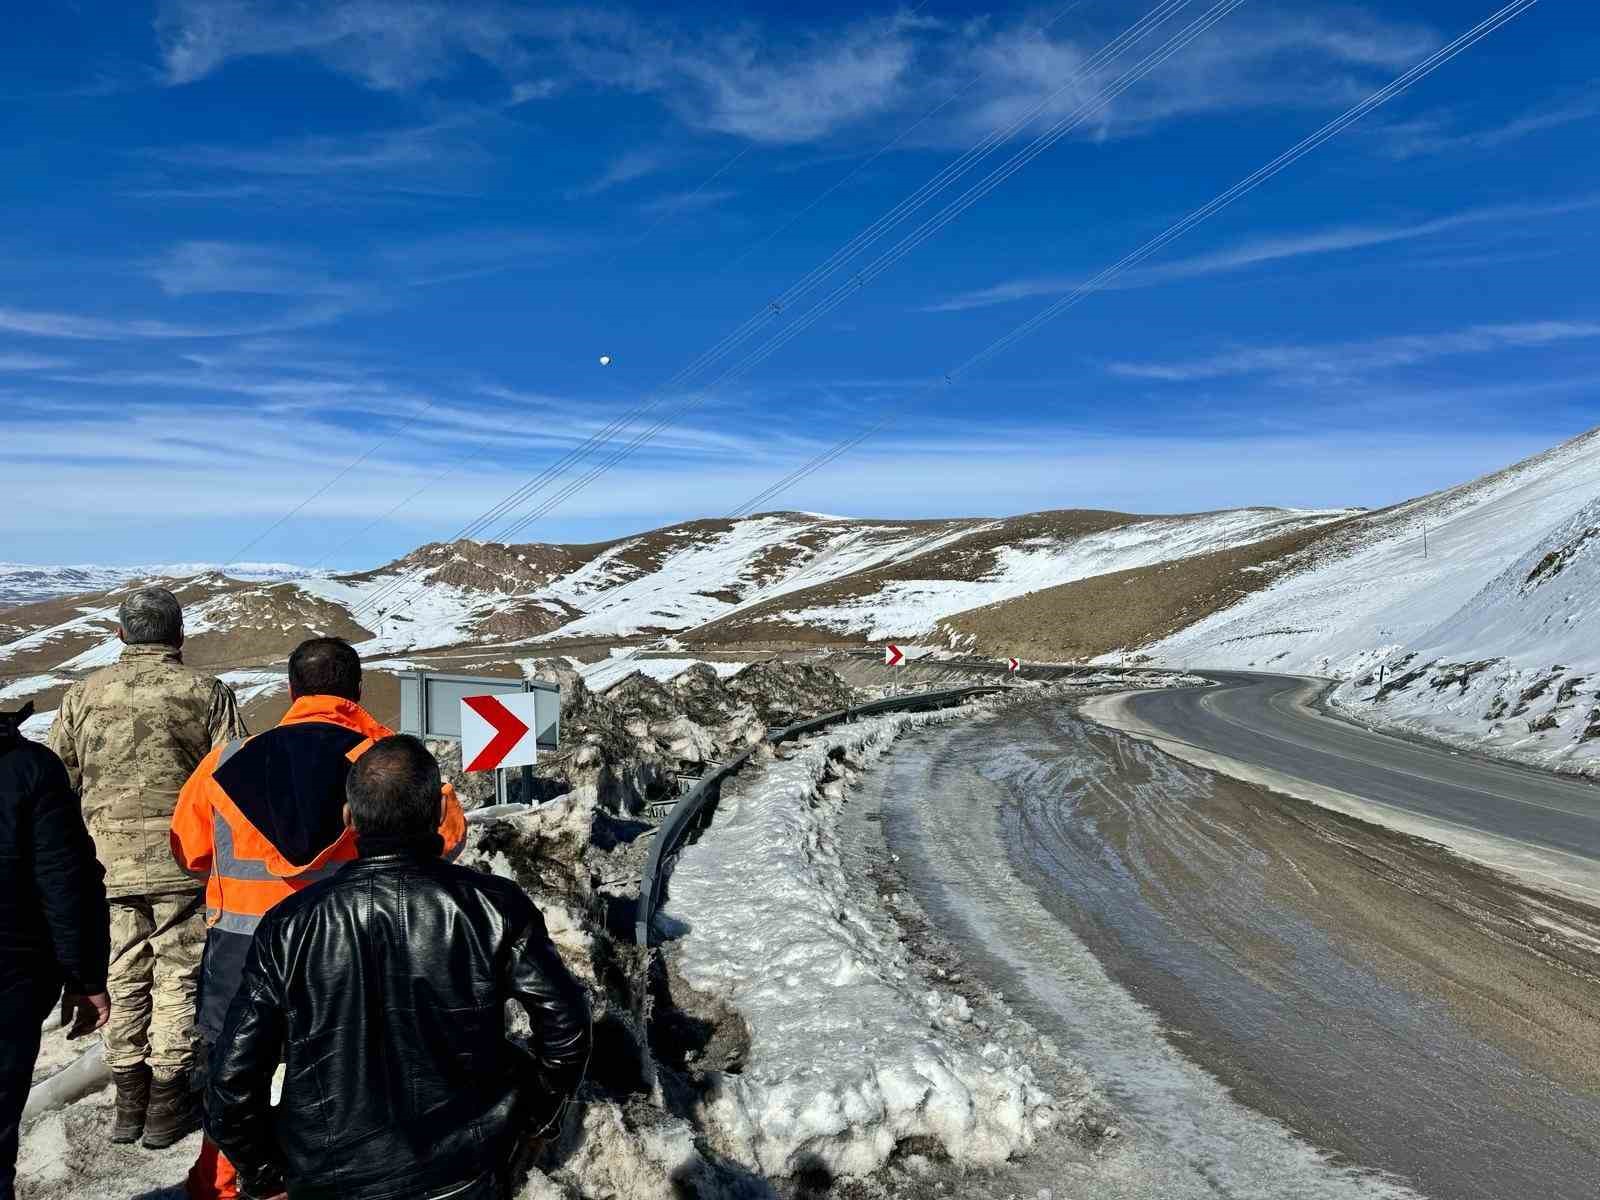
x=151, y=616
x=394, y=790
x=325, y=666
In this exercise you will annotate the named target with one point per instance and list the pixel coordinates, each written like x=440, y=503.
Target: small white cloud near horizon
x=1260, y=250
x=1348, y=359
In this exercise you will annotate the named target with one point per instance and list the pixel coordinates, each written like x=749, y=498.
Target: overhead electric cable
x=1252, y=181
x=1127, y=38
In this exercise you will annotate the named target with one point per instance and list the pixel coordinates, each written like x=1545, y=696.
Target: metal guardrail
x=681, y=821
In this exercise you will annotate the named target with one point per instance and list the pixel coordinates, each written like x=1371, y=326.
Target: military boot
x=133, y=1100
x=174, y=1115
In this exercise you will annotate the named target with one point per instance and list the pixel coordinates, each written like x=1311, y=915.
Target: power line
x=1135, y=33
x=788, y=224
x=1252, y=181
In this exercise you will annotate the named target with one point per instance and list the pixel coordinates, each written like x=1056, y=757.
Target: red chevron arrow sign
x=893, y=656
x=496, y=731
x=1013, y=665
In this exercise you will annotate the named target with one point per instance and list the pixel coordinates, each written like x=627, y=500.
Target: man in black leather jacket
x=383, y=990
x=55, y=928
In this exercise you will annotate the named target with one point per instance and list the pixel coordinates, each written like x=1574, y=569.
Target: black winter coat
x=54, y=923
x=383, y=990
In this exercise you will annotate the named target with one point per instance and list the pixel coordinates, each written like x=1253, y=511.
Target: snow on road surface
x=851, y=1052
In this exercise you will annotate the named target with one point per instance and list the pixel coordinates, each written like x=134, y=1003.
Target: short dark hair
x=151, y=616
x=325, y=666
x=393, y=790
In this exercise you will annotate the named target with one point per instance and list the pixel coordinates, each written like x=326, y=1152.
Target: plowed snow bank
x=851, y=1054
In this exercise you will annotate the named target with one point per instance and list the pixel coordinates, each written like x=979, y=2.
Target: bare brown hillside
x=972, y=557
x=1104, y=613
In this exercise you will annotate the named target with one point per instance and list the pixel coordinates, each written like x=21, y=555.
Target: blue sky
x=253, y=248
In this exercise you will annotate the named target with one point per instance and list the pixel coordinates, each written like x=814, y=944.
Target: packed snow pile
x=846, y=1052
x=1516, y=670
x=622, y=663
x=628, y=747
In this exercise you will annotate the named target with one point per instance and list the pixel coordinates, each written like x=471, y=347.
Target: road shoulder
x=1564, y=874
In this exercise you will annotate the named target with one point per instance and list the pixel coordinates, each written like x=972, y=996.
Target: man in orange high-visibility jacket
x=263, y=817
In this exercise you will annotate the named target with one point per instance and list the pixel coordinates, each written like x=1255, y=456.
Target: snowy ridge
x=1356, y=605
x=25, y=583
x=849, y=578
x=850, y=1052
x=682, y=592
x=1515, y=669
x=913, y=608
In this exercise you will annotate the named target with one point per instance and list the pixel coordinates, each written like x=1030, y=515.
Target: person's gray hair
x=151, y=616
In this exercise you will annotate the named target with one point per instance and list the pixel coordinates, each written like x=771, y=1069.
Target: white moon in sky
x=605, y=360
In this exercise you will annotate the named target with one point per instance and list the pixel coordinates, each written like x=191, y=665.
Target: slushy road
x=1269, y=721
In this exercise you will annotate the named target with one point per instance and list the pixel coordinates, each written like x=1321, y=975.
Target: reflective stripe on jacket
x=262, y=818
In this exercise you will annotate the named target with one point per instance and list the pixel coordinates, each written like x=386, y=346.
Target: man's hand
x=86, y=1013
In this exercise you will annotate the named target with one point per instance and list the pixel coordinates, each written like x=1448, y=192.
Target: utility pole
x=1424, y=538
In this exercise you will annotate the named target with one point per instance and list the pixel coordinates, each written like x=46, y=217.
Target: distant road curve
x=1269, y=722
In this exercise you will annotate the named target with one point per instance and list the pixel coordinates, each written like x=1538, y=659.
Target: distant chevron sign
x=893, y=656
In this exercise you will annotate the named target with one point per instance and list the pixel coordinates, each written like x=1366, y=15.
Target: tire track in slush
x=1285, y=1002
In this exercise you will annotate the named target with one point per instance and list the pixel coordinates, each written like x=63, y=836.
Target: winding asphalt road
x=1230, y=963
x=1269, y=721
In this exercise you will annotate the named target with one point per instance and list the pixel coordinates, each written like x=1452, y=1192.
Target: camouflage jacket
x=130, y=735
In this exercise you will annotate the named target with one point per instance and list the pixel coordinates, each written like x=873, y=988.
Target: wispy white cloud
x=684, y=202
x=1345, y=360
x=1440, y=133
x=76, y=327
x=626, y=168
x=1270, y=248
x=767, y=85
x=206, y=267
x=379, y=152
x=29, y=362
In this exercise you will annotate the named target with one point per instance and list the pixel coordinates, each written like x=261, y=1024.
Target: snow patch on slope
x=690, y=587
x=850, y=1052
x=1515, y=670
x=1344, y=615
x=910, y=608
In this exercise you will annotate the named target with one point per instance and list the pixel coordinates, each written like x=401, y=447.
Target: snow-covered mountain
x=1514, y=669
x=25, y=583
x=1487, y=635
x=1475, y=603
x=772, y=579
x=1390, y=579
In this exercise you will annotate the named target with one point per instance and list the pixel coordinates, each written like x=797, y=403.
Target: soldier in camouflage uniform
x=130, y=735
